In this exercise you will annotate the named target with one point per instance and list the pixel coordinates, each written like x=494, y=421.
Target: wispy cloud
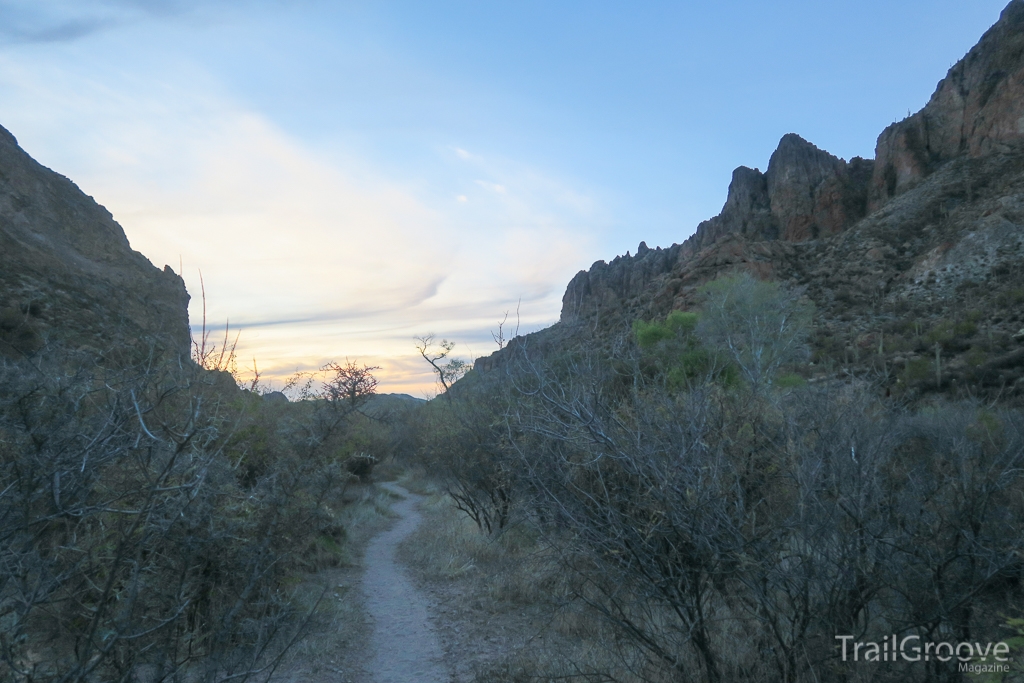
x=65, y=21
x=315, y=256
x=493, y=187
x=65, y=31
x=397, y=301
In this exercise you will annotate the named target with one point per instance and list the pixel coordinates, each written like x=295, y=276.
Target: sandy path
x=406, y=646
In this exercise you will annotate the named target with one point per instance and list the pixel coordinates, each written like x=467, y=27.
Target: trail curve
x=406, y=646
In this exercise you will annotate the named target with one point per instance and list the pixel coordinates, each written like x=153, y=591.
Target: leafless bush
x=128, y=548
x=462, y=445
x=731, y=534
x=760, y=326
x=335, y=392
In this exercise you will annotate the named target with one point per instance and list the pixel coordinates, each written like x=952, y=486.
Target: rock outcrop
x=69, y=280
x=977, y=109
x=812, y=193
x=747, y=211
x=920, y=247
x=806, y=193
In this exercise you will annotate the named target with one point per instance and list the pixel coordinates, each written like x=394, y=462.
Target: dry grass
x=366, y=515
x=417, y=480
x=509, y=598
x=448, y=545
x=336, y=634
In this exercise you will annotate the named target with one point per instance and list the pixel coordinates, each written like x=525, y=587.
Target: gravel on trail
x=406, y=645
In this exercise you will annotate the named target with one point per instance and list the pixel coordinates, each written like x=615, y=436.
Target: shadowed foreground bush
x=731, y=534
x=140, y=537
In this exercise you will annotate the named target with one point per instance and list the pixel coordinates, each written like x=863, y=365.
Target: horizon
x=349, y=177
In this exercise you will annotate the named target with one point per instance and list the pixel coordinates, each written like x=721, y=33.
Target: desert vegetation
x=718, y=517
x=160, y=523
x=689, y=500
x=766, y=454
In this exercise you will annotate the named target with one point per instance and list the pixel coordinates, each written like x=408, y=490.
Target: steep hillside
x=68, y=277
x=909, y=256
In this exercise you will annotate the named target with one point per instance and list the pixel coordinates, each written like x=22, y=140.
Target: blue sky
x=348, y=175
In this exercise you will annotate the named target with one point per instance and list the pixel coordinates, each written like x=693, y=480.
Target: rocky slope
x=977, y=110
x=920, y=248
x=69, y=280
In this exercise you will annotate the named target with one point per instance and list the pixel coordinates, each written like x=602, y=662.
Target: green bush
x=965, y=328
x=676, y=353
x=917, y=370
x=678, y=324
x=790, y=380
x=940, y=333
x=1011, y=297
x=950, y=334
x=975, y=357
x=650, y=333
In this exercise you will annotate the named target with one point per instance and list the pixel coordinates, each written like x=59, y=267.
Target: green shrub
x=1012, y=297
x=975, y=357
x=683, y=322
x=677, y=324
x=673, y=352
x=650, y=333
x=917, y=370
x=965, y=328
x=940, y=333
x=790, y=380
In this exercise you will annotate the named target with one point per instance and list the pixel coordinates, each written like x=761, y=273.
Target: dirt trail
x=406, y=646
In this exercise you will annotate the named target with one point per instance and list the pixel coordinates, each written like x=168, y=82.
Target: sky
x=348, y=176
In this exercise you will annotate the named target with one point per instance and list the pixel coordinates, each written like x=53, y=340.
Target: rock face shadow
x=406, y=646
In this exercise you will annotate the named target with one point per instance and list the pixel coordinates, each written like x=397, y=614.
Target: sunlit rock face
x=69, y=280
x=977, y=109
x=806, y=193
x=796, y=173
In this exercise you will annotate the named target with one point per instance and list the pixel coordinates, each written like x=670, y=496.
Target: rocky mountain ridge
x=919, y=245
x=69, y=279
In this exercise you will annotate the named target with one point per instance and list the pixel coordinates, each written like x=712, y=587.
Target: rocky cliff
x=69, y=280
x=918, y=247
x=805, y=193
x=977, y=110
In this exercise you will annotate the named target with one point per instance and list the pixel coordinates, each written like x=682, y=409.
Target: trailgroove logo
x=913, y=649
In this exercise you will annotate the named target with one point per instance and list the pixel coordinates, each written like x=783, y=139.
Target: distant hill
x=922, y=245
x=403, y=397
x=382, y=405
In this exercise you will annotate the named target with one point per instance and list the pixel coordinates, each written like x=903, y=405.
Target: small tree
x=335, y=393
x=448, y=370
x=761, y=326
x=467, y=444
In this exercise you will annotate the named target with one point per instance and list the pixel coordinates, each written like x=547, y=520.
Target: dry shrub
x=156, y=523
